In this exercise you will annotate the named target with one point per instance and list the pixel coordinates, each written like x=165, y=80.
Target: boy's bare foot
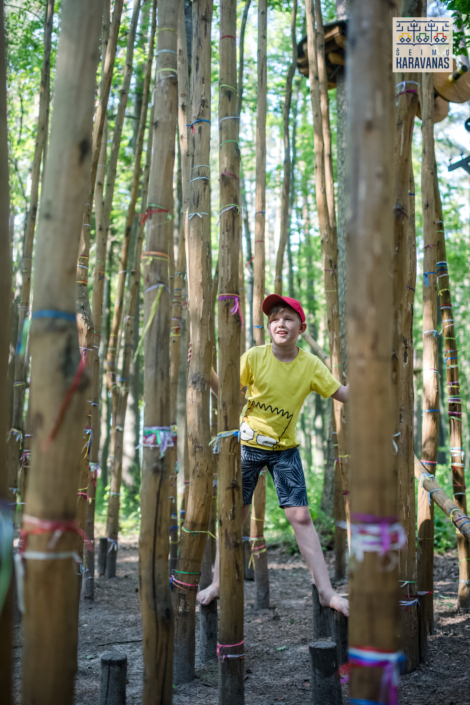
x=210, y=593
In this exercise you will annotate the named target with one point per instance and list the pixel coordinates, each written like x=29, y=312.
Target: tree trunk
x=155, y=598
x=327, y=223
x=98, y=290
x=259, y=285
x=120, y=393
x=86, y=337
x=374, y=611
x=110, y=184
x=231, y=688
x=404, y=283
x=287, y=157
x=57, y=379
x=194, y=532
x=15, y=436
x=6, y=516
x=430, y=356
x=454, y=399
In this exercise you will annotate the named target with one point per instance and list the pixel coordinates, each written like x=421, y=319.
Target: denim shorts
x=286, y=470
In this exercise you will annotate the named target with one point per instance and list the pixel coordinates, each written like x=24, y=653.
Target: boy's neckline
x=285, y=362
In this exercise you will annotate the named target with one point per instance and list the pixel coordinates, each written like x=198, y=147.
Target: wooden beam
x=429, y=484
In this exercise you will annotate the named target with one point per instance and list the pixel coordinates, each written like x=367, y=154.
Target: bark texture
x=374, y=610
x=50, y=635
x=155, y=598
x=194, y=531
x=231, y=689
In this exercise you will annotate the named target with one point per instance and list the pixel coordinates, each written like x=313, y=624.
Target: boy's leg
x=213, y=591
x=310, y=548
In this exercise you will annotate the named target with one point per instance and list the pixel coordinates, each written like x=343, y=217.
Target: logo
x=423, y=44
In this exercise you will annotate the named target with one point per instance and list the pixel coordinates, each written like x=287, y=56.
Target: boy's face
x=285, y=326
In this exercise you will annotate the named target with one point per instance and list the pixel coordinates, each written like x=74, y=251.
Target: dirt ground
x=276, y=640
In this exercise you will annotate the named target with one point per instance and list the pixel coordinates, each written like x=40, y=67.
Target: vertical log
x=86, y=336
x=110, y=184
x=402, y=364
x=120, y=391
x=287, y=156
x=97, y=311
x=15, y=436
x=231, y=689
x=317, y=78
x=454, y=399
x=430, y=419
x=196, y=524
x=50, y=635
x=259, y=284
x=6, y=518
x=373, y=591
x=155, y=598
x=339, y=416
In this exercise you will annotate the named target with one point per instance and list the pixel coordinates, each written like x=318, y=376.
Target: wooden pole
x=6, y=515
x=16, y=435
x=110, y=184
x=374, y=610
x=454, y=400
x=58, y=382
x=120, y=391
x=285, y=192
x=339, y=410
x=430, y=353
x=430, y=485
x=260, y=562
x=231, y=688
x=86, y=332
x=155, y=598
x=97, y=312
x=404, y=284
x=317, y=77
x=194, y=532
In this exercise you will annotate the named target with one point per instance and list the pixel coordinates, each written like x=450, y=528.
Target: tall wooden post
x=317, y=77
x=430, y=354
x=404, y=269
x=120, y=391
x=194, y=531
x=86, y=331
x=58, y=386
x=231, y=648
x=259, y=496
x=341, y=502
x=6, y=518
x=155, y=598
x=285, y=192
x=454, y=399
x=374, y=611
x=15, y=437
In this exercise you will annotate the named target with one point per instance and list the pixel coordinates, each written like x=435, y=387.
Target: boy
x=278, y=378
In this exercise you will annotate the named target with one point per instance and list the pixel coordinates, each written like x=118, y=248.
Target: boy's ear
x=303, y=327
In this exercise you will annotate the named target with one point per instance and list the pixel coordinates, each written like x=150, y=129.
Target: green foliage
x=460, y=11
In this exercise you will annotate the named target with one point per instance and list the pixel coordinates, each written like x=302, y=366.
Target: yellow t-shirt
x=277, y=390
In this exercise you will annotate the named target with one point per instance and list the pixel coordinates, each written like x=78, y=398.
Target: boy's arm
x=215, y=386
x=341, y=394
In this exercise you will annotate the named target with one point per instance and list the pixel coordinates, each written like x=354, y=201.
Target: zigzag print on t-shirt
x=275, y=410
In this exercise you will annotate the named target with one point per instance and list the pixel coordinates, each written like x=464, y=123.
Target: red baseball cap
x=274, y=299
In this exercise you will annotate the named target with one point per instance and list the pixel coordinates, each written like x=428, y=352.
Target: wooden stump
x=325, y=685
x=102, y=556
x=113, y=678
x=321, y=617
x=111, y=559
x=423, y=628
x=339, y=634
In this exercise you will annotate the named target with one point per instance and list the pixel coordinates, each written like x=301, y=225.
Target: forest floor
x=277, y=668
